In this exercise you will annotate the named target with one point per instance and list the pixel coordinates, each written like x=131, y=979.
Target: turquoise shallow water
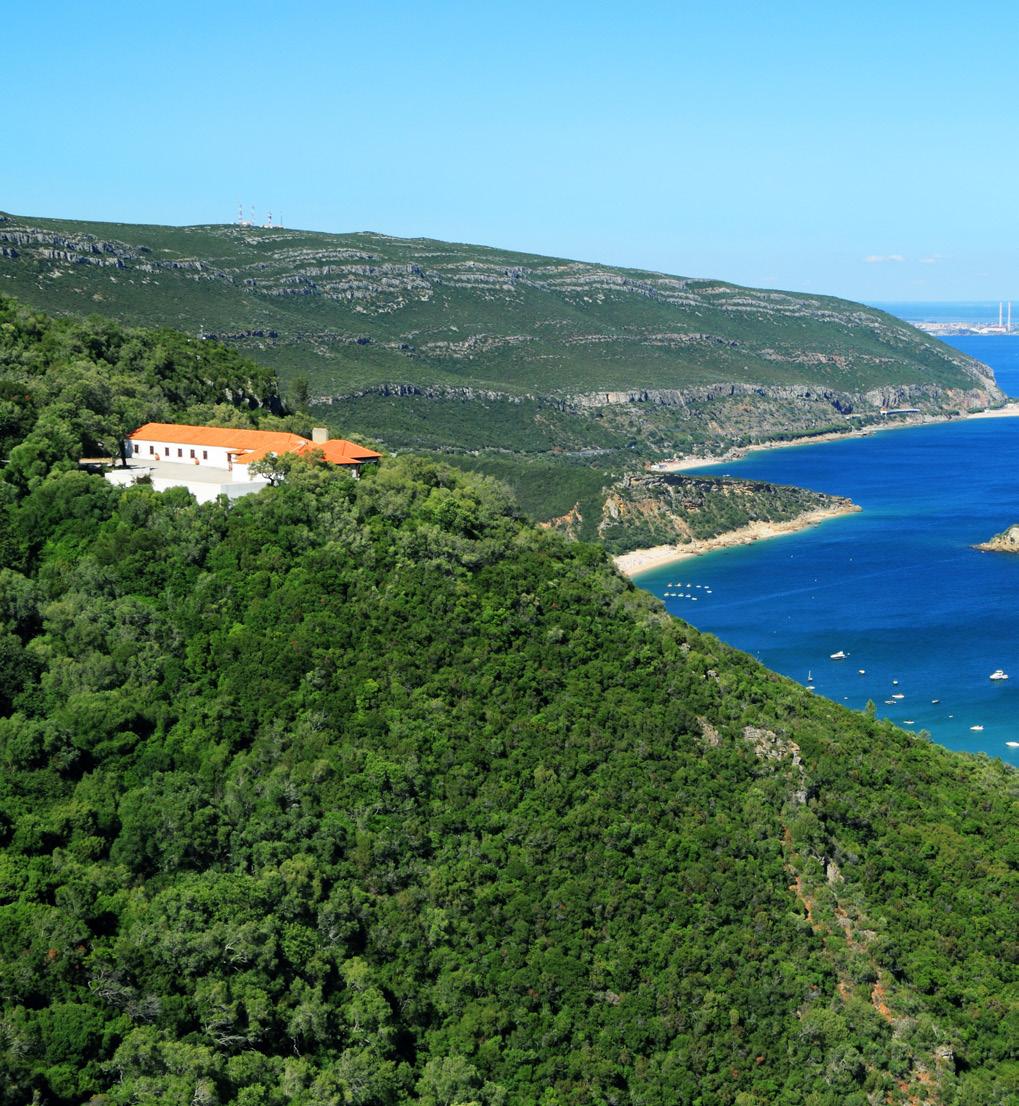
x=897, y=587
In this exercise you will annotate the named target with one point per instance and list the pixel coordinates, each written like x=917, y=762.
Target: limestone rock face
x=1005, y=542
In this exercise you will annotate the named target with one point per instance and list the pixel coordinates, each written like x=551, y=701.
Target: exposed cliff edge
x=1005, y=542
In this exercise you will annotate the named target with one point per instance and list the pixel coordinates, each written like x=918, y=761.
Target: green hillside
x=562, y=375
x=361, y=309
x=368, y=792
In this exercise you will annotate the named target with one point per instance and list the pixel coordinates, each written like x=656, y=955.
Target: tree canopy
x=368, y=792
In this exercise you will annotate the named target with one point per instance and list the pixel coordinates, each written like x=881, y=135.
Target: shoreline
x=683, y=464
x=639, y=561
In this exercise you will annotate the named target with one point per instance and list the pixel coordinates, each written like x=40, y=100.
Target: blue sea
x=898, y=587
x=945, y=311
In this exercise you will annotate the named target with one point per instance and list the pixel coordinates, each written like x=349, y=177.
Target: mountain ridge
x=376, y=276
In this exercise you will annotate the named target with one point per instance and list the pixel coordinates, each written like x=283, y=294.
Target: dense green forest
x=369, y=792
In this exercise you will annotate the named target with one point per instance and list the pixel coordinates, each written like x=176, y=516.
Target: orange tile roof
x=253, y=445
x=339, y=451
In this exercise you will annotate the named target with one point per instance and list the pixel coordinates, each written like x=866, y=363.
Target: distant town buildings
x=944, y=328
x=210, y=461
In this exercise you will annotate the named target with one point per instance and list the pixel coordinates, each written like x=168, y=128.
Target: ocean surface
x=898, y=587
x=943, y=311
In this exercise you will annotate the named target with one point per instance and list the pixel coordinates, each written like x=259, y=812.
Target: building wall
x=123, y=478
x=208, y=456
x=206, y=493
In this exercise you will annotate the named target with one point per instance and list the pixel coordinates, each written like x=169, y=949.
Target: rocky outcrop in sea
x=1005, y=542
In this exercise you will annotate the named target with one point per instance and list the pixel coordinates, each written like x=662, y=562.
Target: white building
x=210, y=462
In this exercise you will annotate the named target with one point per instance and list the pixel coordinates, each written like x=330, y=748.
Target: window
x=205, y=455
x=152, y=449
x=136, y=447
x=180, y=452
x=192, y=453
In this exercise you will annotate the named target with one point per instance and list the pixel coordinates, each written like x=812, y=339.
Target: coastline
x=639, y=561
x=682, y=464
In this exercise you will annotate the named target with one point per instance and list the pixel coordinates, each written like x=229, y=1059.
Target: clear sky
x=864, y=149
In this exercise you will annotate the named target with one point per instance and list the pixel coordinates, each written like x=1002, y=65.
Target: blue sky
x=861, y=149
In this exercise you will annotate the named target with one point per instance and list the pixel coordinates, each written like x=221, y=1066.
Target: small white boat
x=1012, y=744
x=998, y=674
x=977, y=729
x=935, y=700
x=839, y=656
x=908, y=722
x=889, y=702
x=810, y=687
x=895, y=681
x=862, y=671
x=898, y=695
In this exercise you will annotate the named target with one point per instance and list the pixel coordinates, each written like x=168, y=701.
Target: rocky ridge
x=429, y=301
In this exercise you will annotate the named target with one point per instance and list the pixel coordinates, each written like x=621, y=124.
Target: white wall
x=122, y=478
x=206, y=493
x=167, y=451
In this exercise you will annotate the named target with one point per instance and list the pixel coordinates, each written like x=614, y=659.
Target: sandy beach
x=683, y=464
x=643, y=560
x=1010, y=410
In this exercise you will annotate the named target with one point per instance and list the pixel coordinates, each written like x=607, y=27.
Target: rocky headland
x=1005, y=542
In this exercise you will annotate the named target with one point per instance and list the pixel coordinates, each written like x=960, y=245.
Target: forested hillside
x=561, y=375
x=368, y=792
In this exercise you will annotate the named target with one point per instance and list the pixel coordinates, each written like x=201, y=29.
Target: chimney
x=319, y=435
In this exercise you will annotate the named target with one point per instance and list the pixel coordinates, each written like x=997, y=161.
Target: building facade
x=210, y=461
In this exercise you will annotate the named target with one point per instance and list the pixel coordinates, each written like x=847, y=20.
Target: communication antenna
x=268, y=221
x=1000, y=320
x=240, y=215
x=1008, y=328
